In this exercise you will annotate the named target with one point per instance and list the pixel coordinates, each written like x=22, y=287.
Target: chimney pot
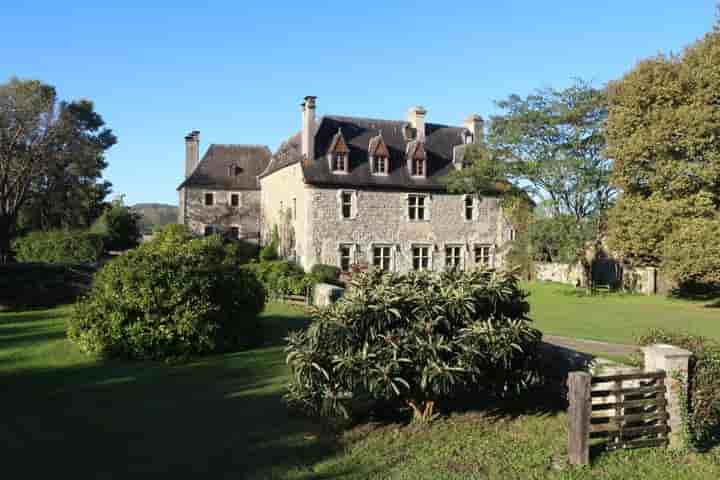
x=192, y=151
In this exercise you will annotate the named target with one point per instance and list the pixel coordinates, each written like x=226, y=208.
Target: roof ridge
x=369, y=119
x=245, y=145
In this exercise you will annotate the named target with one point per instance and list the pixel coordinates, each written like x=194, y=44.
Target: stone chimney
x=416, y=118
x=474, y=123
x=308, y=128
x=192, y=151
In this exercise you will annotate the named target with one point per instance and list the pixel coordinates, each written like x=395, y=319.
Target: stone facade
x=380, y=218
x=221, y=216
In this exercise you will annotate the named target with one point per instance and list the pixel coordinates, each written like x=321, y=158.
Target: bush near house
x=326, y=274
x=703, y=420
x=170, y=297
x=59, y=246
x=398, y=341
x=281, y=277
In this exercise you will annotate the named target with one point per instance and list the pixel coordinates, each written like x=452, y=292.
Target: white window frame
x=490, y=254
x=351, y=255
x=391, y=255
x=429, y=248
x=425, y=207
x=353, y=204
x=424, y=168
x=373, y=166
x=346, y=163
x=460, y=255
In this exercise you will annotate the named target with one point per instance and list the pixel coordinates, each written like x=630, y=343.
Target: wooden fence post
x=579, y=418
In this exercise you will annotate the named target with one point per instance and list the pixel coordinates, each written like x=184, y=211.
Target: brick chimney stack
x=192, y=151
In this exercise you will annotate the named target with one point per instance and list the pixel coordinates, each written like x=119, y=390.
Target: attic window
x=339, y=162
x=418, y=167
x=380, y=165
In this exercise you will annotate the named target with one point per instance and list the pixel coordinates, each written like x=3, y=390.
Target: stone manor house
x=349, y=191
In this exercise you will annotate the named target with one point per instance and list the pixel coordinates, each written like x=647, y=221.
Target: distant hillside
x=155, y=215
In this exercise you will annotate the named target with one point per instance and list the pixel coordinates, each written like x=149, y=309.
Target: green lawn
x=562, y=310
x=223, y=417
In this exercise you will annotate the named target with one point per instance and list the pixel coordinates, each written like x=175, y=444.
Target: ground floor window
x=235, y=232
x=208, y=230
x=421, y=257
x=381, y=257
x=453, y=256
x=483, y=255
x=345, y=259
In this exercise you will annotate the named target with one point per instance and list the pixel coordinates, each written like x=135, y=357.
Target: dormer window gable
x=417, y=159
x=339, y=154
x=379, y=156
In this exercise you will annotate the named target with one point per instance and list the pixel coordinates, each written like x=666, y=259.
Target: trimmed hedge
x=41, y=285
x=281, y=277
x=59, y=246
x=170, y=297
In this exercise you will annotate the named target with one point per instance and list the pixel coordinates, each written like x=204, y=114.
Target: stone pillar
x=675, y=361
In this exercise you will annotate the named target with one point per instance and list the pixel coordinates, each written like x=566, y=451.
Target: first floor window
x=468, y=208
x=235, y=200
x=209, y=199
x=235, y=232
x=346, y=200
x=453, y=256
x=416, y=207
x=421, y=257
x=208, y=230
x=345, y=258
x=381, y=257
x=483, y=255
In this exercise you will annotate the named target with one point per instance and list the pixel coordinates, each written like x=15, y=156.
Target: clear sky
x=238, y=70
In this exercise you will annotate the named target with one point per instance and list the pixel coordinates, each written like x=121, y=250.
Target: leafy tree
x=119, y=226
x=553, y=142
x=664, y=133
x=43, y=143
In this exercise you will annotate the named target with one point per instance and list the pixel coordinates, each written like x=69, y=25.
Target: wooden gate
x=623, y=411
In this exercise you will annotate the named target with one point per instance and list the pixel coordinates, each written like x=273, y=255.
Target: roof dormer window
x=379, y=156
x=417, y=159
x=339, y=154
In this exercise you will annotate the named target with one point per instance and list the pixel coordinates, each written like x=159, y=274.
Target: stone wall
x=644, y=280
x=571, y=274
x=196, y=215
x=381, y=218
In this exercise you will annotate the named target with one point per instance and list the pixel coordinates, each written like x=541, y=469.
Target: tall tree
x=664, y=134
x=46, y=146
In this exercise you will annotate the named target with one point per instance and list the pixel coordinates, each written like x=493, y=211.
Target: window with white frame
x=339, y=162
x=421, y=257
x=380, y=165
x=483, y=255
x=234, y=199
x=469, y=207
x=345, y=257
x=209, y=199
x=416, y=207
x=382, y=257
x=453, y=256
x=418, y=167
x=346, y=204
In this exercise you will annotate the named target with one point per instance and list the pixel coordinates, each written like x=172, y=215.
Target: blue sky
x=237, y=70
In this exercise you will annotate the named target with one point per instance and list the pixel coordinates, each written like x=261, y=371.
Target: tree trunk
x=7, y=233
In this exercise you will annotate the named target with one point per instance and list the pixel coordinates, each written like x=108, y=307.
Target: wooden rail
x=623, y=416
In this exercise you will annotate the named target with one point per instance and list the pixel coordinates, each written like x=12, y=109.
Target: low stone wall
x=326, y=294
x=560, y=272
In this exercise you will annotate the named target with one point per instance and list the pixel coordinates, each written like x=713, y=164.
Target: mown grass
x=563, y=310
x=222, y=416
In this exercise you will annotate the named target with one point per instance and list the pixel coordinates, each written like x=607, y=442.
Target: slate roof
x=230, y=167
x=358, y=133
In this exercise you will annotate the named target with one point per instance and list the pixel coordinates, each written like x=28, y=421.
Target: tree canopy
x=664, y=135
x=51, y=156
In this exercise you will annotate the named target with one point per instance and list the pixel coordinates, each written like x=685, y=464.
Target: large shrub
x=119, y=226
x=170, y=298
x=326, y=274
x=409, y=340
x=703, y=420
x=41, y=285
x=59, y=246
x=281, y=277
